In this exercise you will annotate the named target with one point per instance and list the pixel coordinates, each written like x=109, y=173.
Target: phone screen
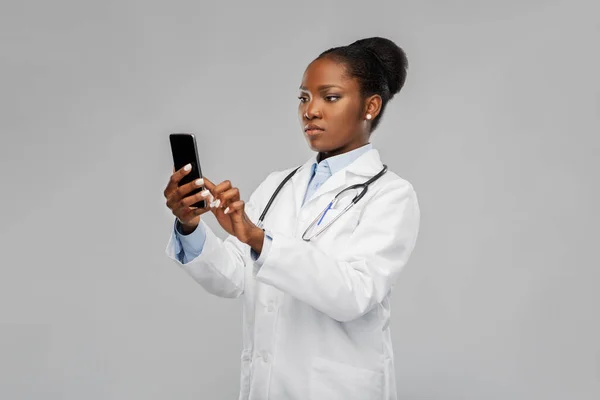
x=183, y=147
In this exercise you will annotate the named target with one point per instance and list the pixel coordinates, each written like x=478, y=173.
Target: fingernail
x=205, y=193
x=226, y=210
x=199, y=182
x=217, y=203
x=188, y=167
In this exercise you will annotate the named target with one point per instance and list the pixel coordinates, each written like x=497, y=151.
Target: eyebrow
x=322, y=87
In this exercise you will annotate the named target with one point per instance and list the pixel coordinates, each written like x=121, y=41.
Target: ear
x=372, y=106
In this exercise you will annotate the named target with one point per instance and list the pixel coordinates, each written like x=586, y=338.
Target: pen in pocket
x=324, y=212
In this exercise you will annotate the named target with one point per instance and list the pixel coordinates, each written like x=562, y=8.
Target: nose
x=311, y=111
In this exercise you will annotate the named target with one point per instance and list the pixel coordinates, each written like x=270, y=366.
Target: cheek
x=344, y=116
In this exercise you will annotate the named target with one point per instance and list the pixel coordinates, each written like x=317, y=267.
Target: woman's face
x=331, y=110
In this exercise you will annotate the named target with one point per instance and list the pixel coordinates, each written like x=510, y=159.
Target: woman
x=316, y=312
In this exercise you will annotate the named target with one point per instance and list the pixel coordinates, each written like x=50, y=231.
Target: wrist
x=257, y=237
x=185, y=228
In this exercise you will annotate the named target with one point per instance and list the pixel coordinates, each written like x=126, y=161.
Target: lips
x=312, y=129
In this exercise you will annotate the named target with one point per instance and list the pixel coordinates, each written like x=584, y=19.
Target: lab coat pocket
x=246, y=372
x=333, y=380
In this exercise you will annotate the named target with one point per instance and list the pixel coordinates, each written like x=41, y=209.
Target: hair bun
x=392, y=59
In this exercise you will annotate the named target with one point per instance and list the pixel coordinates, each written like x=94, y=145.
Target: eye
x=332, y=98
x=302, y=99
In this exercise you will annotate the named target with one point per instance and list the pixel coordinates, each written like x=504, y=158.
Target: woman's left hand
x=231, y=215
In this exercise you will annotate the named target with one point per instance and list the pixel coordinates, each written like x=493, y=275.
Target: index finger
x=208, y=184
x=176, y=177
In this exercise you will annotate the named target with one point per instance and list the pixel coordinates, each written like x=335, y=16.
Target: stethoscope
x=317, y=220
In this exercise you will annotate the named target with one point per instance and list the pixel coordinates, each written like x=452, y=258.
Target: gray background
x=497, y=129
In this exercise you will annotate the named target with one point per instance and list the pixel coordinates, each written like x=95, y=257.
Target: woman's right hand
x=180, y=205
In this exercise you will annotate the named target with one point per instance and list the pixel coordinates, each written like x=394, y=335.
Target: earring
x=369, y=116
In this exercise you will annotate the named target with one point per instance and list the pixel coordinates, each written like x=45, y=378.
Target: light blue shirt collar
x=337, y=163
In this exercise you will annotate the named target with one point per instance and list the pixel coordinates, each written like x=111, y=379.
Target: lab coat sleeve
x=219, y=267
x=349, y=285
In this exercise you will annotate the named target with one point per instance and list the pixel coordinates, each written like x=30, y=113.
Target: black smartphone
x=185, y=151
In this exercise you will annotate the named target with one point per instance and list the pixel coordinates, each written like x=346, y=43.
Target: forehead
x=325, y=71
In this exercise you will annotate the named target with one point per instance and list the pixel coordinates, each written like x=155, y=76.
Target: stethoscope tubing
x=356, y=199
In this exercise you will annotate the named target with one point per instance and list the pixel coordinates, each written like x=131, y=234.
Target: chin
x=317, y=145
x=320, y=147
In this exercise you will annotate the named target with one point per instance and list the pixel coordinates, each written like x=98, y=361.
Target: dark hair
x=379, y=65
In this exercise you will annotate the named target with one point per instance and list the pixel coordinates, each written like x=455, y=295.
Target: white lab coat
x=316, y=314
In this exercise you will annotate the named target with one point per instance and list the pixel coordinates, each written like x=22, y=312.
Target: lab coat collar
x=367, y=165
